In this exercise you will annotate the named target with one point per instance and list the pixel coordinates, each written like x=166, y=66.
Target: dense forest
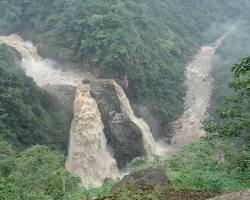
x=148, y=41
x=29, y=115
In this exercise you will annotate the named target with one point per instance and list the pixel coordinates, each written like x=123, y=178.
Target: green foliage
x=41, y=171
x=147, y=40
x=34, y=174
x=138, y=164
x=231, y=51
x=215, y=163
x=28, y=115
x=204, y=165
x=91, y=193
x=235, y=109
x=7, y=189
x=141, y=163
x=7, y=158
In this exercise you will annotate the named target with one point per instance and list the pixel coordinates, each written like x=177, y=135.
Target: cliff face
x=123, y=135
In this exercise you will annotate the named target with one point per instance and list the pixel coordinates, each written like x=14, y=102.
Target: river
x=199, y=84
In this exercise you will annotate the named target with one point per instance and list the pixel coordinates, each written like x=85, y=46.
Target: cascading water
x=42, y=71
x=151, y=146
x=88, y=156
x=199, y=91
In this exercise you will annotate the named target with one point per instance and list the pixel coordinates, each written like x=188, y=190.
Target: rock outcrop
x=150, y=176
x=123, y=135
x=242, y=195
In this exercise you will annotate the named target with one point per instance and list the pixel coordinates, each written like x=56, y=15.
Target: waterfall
x=151, y=146
x=88, y=156
x=43, y=71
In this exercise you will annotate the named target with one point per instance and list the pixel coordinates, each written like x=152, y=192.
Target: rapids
x=199, y=84
x=43, y=71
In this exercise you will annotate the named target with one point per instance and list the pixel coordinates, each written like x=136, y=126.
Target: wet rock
x=150, y=176
x=242, y=195
x=123, y=136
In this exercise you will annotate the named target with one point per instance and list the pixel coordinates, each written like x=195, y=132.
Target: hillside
x=28, y=117
x=63, y=132
x=28, y=114
x=147, y=41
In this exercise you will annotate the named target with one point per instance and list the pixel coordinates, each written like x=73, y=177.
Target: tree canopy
x=28, y=114
x=149, y=41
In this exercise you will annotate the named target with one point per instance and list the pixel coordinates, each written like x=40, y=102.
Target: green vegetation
x=233, y=48
x=207, y=165
x=28, y=114
x=28, y=117
x=235, y=109
x=221, y=162
x=90, y=193
x=218, y=163
x=147, y=40
x=36, y=173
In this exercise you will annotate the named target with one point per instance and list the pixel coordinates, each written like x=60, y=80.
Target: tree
x=235, y=111
x=41, y=171
x=28, y=114
x=7, y=158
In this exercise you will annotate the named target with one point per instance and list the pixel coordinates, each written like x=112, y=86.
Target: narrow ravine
x=89, y=156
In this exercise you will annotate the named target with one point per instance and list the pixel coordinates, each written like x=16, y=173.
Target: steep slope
x=148, y=41
x=28, y=115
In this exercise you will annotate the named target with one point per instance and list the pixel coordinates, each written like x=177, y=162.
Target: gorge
x=101, y=108
x=105, y=134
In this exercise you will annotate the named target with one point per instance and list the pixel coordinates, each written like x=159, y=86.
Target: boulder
x=242, y=195
x=150, y=176
x=123, y=136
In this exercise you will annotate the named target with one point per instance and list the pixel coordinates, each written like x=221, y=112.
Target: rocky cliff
x=123, y=135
